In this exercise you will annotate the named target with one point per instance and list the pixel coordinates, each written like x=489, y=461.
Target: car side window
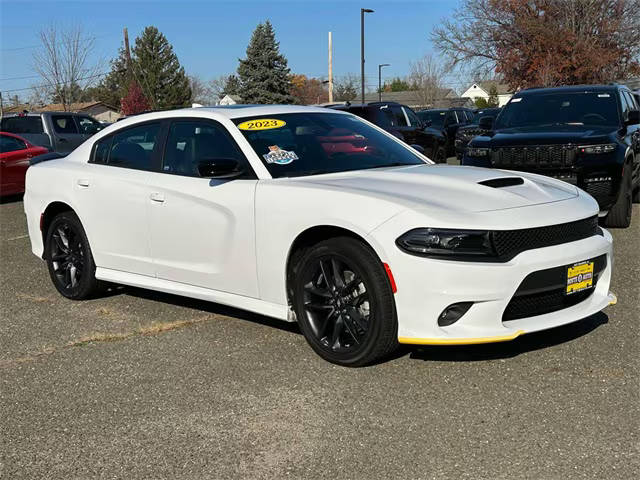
x=64, y=124
x=88, y=126
x=398, y=114
x=22, y=124
x=133, y=147
x=191, y=141
x=101, y=150
x=10, y=144
x=413, y=118
x=387, y=118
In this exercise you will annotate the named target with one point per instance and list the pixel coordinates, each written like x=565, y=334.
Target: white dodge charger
x=319, y=217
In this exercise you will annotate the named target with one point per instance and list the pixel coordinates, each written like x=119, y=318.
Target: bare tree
x=64, y=61
x=201, y=91
x=426, y=77
x=544, y=42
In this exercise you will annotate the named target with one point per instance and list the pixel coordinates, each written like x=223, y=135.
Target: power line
x=57, y=84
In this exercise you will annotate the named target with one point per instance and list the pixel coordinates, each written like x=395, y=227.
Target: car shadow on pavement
x=209, y=307
x=523, y=344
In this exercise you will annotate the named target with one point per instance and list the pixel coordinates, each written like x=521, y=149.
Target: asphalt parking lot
x=143, y=385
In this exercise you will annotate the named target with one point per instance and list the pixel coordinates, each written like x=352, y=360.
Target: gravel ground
x=143, y=385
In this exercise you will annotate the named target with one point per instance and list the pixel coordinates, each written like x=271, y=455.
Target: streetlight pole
x=380, y=79
x=362, y=12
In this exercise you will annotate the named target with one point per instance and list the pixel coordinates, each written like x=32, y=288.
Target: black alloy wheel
x=69, y=257
x=344, y=303
x=336, y=304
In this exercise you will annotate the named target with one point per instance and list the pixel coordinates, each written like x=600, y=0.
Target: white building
x=483, y=89
x=230, y=100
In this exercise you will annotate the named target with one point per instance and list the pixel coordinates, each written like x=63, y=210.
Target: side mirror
x=486, y=123
x=419, y=148
x=633, y=117
x=219, y=168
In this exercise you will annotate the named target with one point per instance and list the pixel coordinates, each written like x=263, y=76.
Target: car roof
x=571, y=88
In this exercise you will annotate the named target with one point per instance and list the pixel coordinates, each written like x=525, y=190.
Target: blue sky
x=210, y=36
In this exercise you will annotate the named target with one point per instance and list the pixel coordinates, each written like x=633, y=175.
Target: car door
x=14, y=161
x=202, y=229
x=65, y=131
x=113, y=196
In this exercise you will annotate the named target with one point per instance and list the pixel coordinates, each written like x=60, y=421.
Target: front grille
x=509, y=243
x=541, y=303
x=601, y=191
x=534, y=157
x=544, y=292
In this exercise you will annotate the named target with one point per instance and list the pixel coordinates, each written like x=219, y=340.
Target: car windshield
x=560, y=108
x=299, y=144
x=436, y=117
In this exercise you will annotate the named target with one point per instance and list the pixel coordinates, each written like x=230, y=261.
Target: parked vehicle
x=467, y=132
x=59, y=131
x=398, y=120
x=15, y=154
x=587, y=135
x=442, y=125
x=316, y=215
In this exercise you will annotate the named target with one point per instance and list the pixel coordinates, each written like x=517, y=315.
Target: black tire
x=69, y=258
x=351, y=320
x=620, y=214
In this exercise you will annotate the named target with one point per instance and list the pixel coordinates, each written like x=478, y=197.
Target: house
x=483, y=90
x=230, y=100
x=411, y=98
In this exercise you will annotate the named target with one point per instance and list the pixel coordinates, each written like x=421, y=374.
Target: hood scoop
x=503, y=182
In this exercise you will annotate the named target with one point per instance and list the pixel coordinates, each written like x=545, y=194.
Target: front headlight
x=589, y=149
x=477, y=152
x=442, y=242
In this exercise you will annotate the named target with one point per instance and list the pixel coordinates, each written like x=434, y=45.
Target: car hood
x=547, y=135
x=446, y=187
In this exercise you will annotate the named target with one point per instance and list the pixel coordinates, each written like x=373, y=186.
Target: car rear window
x=26, y=124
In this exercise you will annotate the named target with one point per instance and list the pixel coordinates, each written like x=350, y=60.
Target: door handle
x=157, y=197
x=83, y=182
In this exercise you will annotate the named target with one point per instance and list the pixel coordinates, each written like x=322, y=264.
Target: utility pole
x=127, y=52
x=1, y=107
x=362, y=12
x=380, y=79
x=330, y=70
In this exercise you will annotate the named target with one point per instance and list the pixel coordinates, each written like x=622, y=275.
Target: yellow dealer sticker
x=579, y=277
x=261, y=124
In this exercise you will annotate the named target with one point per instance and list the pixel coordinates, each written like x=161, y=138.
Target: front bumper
x=427, y=286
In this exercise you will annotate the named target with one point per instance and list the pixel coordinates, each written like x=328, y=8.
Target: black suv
x=466, y=133
x=397, y=119
x=442, y=125
x=587, y=135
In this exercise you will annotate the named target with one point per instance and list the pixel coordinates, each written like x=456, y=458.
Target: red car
x=15, y=153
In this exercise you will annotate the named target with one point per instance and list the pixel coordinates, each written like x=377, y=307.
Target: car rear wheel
x=344, y=302
x=69, y=257
x=620, y=214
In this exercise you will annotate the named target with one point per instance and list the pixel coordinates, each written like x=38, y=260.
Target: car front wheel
x=620, y=214
x=344, y=302
x=69, y=257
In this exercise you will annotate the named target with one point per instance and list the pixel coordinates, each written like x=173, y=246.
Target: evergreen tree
x=158, y=71
x=264, y=74
x=114, y=86
x=492, y=101
x=231, y=86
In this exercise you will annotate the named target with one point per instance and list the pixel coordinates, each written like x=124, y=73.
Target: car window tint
x=101, y=150
x=26, y=124
x=191, y=142
x=398, y=114
x=413, y=118
x=88, y=125
x=387, y=118
x=133, y=147
x=10, y=144
x=64, y=124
